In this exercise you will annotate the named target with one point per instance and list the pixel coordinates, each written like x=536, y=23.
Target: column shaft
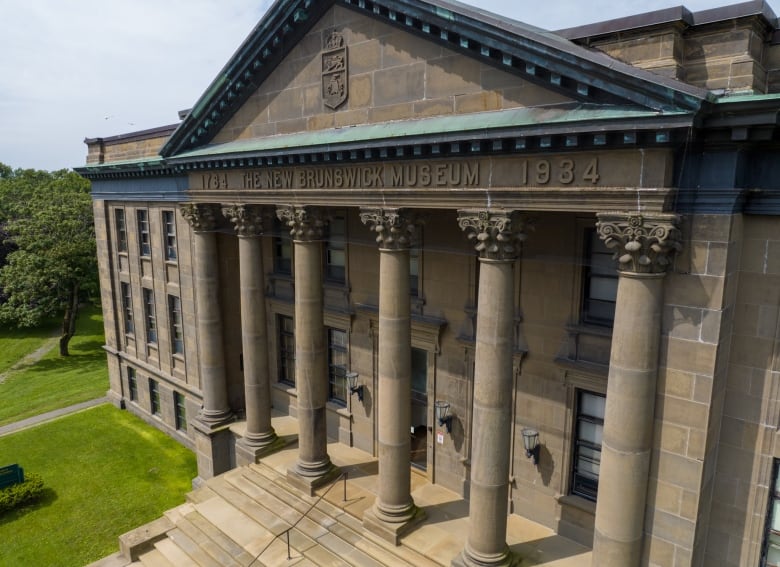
x=259, y=431
x=210, y=349
x=394, y=501
x=488, y=506
x=628, y=421
x=311, y=370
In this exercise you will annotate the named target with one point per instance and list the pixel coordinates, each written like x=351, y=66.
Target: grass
x=53, y=381
x=105, y=472
x=15, y=343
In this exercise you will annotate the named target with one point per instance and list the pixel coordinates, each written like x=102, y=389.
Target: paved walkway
x=49, y=416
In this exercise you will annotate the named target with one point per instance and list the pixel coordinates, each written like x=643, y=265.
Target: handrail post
x=288, y=546
x=345, y=485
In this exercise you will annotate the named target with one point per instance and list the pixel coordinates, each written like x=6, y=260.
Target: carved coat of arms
x=334, y=71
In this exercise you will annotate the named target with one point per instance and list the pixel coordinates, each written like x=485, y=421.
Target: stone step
x=216, y=535
x=153, y=558
x=221, y=555
x=192, y=548
x=173, y=553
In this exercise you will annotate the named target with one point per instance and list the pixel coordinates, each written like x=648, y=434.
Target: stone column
x=212, y=438
x=259, y=438
x=498, y=236
x=394, y=511
x=643, y=245
x=313, y=467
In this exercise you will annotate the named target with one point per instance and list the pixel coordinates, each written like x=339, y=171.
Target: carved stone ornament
x=335, y=86
x=247, y=219
x=498, y=235
x=203, y=217
x=307, y=224
x=396, y=229
x=643, y=244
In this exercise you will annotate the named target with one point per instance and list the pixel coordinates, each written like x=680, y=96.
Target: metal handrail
x=286, y=532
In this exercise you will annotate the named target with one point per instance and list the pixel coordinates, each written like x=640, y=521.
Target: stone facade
x=588, y=251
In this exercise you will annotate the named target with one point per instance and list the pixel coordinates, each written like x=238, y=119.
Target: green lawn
x=54, y=381
x=105, y=472
x=15, y=343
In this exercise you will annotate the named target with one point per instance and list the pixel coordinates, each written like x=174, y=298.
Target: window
x=127, y=308
x=169, y=224
x=144, y=246
x=414, y=271
x=149, y=316
x=335, y=253
x=154, y=396
x=282, y=250
x=180, y=411
x=600, y=282
x=337, y=366
x=174, y=317
x=588, y=430
x=771, y=551
x=121, y=230
x=286, y=329
x=132, y=385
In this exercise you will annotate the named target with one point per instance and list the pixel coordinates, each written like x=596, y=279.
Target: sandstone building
x=573, y=234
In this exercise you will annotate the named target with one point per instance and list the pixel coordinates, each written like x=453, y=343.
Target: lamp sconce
x=354, y=388
x=531, y=444
x=441, y=411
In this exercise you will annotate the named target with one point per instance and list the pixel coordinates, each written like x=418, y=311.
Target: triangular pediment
x=402, y=60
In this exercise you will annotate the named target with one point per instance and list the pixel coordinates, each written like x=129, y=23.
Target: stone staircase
x=234, y=520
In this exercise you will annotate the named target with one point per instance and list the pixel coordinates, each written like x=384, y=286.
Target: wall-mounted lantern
x=354, y=388
x=531, y=444
x=441, y=411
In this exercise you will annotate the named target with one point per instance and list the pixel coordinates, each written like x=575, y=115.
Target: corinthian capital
x=497, y=235
x=396, y=229
x=643, y=244
x=203, y=217
x=247, y=219
x=306, y=223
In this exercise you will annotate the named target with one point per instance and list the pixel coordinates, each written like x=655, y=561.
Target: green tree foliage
x=47, y=219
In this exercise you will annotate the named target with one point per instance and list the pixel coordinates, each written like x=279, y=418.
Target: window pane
x=592, y=405
x=603, y=288
x=590, y=432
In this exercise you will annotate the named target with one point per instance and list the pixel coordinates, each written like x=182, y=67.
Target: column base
x=213, y=421
x=507, y=559
x=309, y=480
x=212, y=449
x=248, y=452
x=392, y=531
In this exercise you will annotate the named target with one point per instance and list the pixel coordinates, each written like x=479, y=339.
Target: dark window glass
x=414, y=271
x=127, y=308
x=771, y=550
x=121, y=230
x=286, y=328
x=132, y=385
x=154, y=397
x=337, y=365
x=601, y=281
x=282, y=250
x=336, y=252
x=180, y=411
x=175, y=321
x=588, y=431
x=149, y=316
x=144, y=246
x=169, y=224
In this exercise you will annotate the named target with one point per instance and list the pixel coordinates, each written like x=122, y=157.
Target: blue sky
x=88, y=68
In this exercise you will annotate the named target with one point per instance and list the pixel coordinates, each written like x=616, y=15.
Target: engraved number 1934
x=563, y=171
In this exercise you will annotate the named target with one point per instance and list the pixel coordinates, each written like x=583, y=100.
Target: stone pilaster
x=497, y=237
x=394, y=511
x=211, y=439
x=643, y=247
x=313, y=467
x=260, y=437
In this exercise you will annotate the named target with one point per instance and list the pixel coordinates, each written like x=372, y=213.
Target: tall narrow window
x=175, y=322
x=121, y=230
x=132, y=385
x=414, y=271
x=127, y=308
x=587, y=444
x=282, y=250
x=169, y=224
x=286, y=328
x=335, y=253
x=771, y=551
x=150, y=317
x=337, y=365
x=180, y=411
x=144, y=242
x=154, y=396
x=601, y=281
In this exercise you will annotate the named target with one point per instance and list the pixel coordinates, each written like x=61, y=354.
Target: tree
x=49, y=221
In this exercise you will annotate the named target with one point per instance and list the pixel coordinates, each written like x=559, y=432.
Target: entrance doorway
x=420, y=428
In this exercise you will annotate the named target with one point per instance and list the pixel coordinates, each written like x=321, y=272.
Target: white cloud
x=87, y=68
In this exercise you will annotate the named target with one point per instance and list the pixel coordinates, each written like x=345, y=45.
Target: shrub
x=12, y=497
